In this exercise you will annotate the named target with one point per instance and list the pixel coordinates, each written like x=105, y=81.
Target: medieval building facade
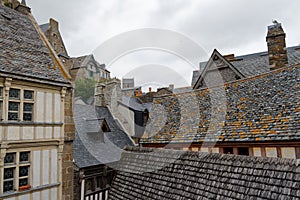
x=36, y=128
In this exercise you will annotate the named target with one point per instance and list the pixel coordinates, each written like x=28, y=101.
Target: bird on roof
x=275, y=22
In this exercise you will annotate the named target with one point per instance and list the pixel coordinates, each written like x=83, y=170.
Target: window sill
x=17, y=193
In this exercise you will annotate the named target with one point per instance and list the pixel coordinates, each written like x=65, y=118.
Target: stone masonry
x=276, y=46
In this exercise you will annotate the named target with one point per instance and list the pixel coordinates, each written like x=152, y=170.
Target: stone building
x=97, y=150
x=223, y=69
x=36, y=128
x=88, y=67
x=79, y=67
x=146, y=173
x=255, y=111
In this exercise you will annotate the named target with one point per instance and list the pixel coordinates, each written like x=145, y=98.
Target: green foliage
x=8, y=4
x=85, y=88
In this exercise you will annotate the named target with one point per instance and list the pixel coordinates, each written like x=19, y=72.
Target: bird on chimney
x=275, y=22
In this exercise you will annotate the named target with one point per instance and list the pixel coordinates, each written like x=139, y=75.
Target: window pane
x=24, y=156
x=23, y=171
x=9, y=173
x=13, y=116
x=13, y=106
x=9, y=158
x=14, y=93
x=27, y=117
x=28, y=94
x=23, y=181
x=28, y=107
x=1, y=91
x=8, y=186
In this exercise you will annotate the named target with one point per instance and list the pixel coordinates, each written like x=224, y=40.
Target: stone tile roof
x=168, y=174
x=261, y=108
x=90, y=147
x=23, y=53
x=255, y=64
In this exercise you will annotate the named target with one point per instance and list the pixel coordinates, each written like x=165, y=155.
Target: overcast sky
x=231, y=26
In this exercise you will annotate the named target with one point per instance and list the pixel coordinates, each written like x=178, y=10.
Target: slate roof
x=133, y=103
x=44, y=27
x=255, y=64
x=89, y=148
x=23, y=53
x=169, y=174
x=261, y=108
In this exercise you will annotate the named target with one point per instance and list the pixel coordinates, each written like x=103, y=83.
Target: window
x=244, y=151
x=20, y=105
x=91, y=73
x=228, y=150
x=16, y=171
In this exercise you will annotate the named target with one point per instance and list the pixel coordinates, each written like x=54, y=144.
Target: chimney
x=229, y=57
x=100, y=95
x=276, y=46
x=23, y=8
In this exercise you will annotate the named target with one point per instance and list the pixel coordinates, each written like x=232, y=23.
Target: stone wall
x=69, y=136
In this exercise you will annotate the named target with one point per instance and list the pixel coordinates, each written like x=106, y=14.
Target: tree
x=85, y=88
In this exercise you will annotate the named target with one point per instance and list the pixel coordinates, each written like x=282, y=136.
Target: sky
x=160, y=42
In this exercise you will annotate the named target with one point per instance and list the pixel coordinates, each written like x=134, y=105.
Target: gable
x=217, y=72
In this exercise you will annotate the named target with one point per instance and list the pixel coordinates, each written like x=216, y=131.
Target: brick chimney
x=276, y=46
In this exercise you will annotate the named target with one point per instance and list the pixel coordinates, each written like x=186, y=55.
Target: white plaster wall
x=48, y=133
x=13, y=133
x=45, y=194
x=128, y=115
x=24, y=197
x=57, y=117
x=45, y=169
x=203, y=149
x=54, y=162
x=1, y=133
x=49, y=106
x=36, y=196
x=36, y=166
x=215, y=150
x=28, y=133
x=288, y=152
x=40, y=107
x=39, y=132
x=57, y=132
x=53, y=193
x=257, y=151
x=271, y=152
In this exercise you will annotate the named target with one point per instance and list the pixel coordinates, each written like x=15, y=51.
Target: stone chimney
x=276, y=46
x=100, y=95
x=23, y=8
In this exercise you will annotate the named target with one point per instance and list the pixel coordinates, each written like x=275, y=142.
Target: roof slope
x=90, y=147
x=255, y=64
x=261, y=108
x=169, y=174
x=23, y=52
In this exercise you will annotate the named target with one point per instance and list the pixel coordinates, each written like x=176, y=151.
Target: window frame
x=16, y=166
x=21, y=101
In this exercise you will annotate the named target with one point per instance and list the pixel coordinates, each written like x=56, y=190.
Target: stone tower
x=276, y=46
